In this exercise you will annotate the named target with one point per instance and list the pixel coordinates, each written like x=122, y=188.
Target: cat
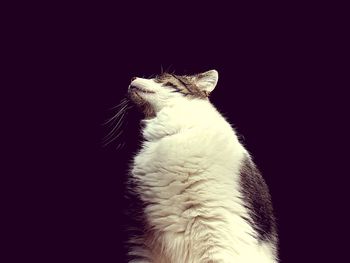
x=203, y=198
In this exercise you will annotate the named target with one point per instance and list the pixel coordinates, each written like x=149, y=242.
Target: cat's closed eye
x=169, y=84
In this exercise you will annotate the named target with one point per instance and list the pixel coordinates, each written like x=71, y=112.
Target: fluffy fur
x=188, y=177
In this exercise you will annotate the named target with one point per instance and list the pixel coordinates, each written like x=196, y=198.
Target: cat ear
x=207, y=81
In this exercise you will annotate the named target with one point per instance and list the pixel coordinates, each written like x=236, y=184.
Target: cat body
x=189, y=176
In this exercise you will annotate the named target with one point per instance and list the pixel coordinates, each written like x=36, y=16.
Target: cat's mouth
x=133, y=87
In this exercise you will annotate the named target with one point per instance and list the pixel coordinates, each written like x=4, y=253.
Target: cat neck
x=179, y=117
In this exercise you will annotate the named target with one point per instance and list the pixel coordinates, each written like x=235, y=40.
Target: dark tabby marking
x=169, y=84
x=257, y=198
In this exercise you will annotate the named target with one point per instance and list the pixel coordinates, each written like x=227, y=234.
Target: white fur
x=187, y=174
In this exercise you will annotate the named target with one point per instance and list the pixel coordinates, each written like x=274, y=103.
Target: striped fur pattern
x=186, y=85
x=203, y=200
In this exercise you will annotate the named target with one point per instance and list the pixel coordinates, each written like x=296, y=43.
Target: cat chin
x=142, y=104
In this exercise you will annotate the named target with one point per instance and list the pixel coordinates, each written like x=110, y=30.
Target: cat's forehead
x=166, y=77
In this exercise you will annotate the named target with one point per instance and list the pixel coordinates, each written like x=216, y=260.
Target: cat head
x=151, y=95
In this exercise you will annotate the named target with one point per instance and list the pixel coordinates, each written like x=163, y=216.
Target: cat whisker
x=111, y=139
x=107, y=141
x=116, y=127
x=123, y=109
x=120, y=146
x=117, y=122
x=122, y=102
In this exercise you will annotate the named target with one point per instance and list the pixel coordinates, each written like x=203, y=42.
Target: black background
x=76, y=62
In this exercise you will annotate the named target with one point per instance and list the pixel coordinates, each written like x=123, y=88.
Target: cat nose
x=133, y=78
